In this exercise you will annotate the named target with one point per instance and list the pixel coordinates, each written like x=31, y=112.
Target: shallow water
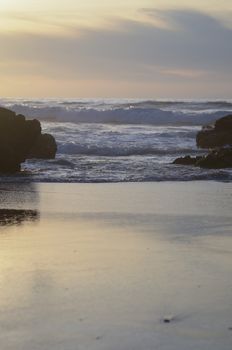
x=101, y=265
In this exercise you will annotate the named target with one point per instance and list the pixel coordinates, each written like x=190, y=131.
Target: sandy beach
x=102, y=266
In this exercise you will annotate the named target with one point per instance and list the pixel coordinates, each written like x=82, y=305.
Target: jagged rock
x=44, y=147
x=17, y=138
x=217, y=159
x=187, y=160
x=218, y=136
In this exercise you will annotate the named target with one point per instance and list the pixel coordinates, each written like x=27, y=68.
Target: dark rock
x=224, y=123
x=217, y=159
x=44, y=147
x=213, y=138
x=218, y=136
x=168, y=319
x=17, y=138
x=187, y=160
x=6, y=115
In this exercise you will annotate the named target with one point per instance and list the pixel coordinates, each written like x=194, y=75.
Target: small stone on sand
x=168, y=319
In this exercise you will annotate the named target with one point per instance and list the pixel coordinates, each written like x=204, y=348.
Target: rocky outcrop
x=187, y=160
x=216, y=159
x=44, y=147
x=18, y=137
x=219, y=139
x=217, y=136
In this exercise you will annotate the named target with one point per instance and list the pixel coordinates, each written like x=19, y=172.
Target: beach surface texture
x=116, y=266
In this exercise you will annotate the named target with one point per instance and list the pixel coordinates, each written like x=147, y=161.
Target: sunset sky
x=106, y=48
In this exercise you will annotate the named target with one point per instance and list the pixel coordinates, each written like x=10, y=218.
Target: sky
x=108, y=48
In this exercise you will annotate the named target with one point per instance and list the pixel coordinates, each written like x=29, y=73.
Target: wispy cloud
x=190, y=45
x=186, y=73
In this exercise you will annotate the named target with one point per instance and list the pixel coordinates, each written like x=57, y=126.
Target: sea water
x=119, y=140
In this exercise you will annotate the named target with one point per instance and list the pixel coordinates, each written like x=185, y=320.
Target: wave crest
x=145, y=116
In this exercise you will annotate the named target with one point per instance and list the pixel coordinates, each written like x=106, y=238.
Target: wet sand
x=116, y=266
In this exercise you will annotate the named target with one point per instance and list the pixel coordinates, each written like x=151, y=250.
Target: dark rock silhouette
x=187, y=160
x=219, y=139
x=217, y=136
x=18, y=137
x=44, y=147
x=217, y=159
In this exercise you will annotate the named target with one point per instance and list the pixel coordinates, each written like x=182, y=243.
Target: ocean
x=119, y=140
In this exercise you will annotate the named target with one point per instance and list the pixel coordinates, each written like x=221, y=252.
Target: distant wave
x=180, y=105
x=146, y=116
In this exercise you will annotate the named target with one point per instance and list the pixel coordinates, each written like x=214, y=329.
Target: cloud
x=194, y=46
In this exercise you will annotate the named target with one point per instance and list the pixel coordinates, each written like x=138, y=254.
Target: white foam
x=71, y=148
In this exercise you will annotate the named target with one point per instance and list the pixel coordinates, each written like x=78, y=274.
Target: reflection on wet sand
x=19, y=196
x=10, y=217
x=18, y=203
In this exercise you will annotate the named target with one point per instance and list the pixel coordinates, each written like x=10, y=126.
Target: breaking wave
x=108, y=140
x=126, y=115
